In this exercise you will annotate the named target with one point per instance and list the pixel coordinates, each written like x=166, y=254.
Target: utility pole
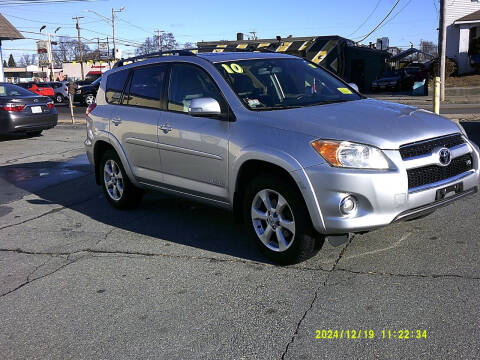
x=159, y=40
x=442, y=44
x=80, y=46
x=113, y=30
x=50, y=55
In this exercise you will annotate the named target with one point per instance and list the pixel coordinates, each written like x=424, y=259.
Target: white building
x=463, y=32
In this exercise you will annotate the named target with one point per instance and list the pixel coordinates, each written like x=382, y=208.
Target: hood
x=383, y=124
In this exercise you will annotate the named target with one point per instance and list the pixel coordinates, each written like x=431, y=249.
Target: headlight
x=351, y=155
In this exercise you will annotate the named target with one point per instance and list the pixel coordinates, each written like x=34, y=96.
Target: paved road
x=178, y=280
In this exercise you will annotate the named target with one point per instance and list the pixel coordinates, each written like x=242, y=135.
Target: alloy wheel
x=113, y=178
x=89, y=99
x=273, y=220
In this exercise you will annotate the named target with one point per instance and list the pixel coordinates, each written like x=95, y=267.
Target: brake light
x=12, y=107
x=50, y=105
x=90, y=108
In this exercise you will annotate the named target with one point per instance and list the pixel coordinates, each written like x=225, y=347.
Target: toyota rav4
x=293, y=150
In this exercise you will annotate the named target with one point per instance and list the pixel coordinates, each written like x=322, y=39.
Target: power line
x=396, y=14
x=368, y=18
x=37, y=2
x=381, y=22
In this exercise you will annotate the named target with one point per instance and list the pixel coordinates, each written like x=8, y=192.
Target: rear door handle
x=116, y=120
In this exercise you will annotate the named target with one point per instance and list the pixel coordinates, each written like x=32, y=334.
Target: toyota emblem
x=444, y=156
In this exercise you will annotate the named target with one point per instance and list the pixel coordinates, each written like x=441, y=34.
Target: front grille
x=433, y=173
x=426, y=147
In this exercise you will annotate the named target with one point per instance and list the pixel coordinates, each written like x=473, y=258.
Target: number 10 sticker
x=233, y=68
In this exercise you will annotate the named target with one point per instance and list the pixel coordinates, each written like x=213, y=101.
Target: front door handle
x=165, y=128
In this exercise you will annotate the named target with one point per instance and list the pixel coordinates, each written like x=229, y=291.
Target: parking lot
x=175, y=279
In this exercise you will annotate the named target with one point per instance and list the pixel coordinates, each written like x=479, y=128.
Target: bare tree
x=148, y=46
x=27, y=59
x=166, y=41
x=429, y=47
x=68, y=49
x=189, y=45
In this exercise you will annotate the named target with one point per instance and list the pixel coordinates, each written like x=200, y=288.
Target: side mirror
x=354, y=86
x=204, y=107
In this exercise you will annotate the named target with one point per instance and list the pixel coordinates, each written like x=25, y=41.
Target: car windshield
x=270, y=84
x=9, y=90
x=390, y=73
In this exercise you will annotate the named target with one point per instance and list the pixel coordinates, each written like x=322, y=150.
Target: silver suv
x=293, y=150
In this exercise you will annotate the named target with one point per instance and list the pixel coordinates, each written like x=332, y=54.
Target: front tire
x=35, y=133
x=278, y=220
x=118, y=189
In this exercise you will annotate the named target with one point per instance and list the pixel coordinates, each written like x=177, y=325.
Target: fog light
x=348, y=205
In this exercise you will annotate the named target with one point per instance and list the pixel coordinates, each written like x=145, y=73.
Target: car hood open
x=368, y=121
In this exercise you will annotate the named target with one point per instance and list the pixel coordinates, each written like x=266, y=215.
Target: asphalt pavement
x=175, y=279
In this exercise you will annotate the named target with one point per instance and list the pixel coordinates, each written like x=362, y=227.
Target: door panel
x=195, y=154
x=135, y=121
x=137, y=132
x=194, y=150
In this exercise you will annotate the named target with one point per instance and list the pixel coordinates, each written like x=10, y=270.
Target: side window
x=146, y=86
x=190, y=82
x=115, y=83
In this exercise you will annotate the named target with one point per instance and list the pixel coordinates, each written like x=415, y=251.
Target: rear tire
x=59, y=98
x=277, y=218
x=118, y=189
x=89, y=99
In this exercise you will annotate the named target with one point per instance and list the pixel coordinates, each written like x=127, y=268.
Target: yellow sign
x=345, y=91
x=233, y=68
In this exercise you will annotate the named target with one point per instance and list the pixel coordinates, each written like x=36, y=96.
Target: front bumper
x=382, y=197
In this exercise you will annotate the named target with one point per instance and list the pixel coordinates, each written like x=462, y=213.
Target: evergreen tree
x=11, y=61
x=5, y=63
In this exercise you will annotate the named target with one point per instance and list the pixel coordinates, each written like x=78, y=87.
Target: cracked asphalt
x=175, y=279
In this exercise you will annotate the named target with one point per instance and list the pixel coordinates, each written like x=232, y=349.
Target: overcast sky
x=193, y=20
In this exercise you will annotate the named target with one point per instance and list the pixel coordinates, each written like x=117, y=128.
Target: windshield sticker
x=345, y=91
x=233, y=68
x=311, y=65
x=253, y=102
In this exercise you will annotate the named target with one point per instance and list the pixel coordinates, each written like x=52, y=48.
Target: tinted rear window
x=115, y=84
x=146, y=86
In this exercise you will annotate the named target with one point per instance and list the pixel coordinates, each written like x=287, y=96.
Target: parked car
x=394, y=80
x=418, y=71
x=38, y=88
x=293, y=150
x=87, y=93
x=24, y=111
x=61, y=91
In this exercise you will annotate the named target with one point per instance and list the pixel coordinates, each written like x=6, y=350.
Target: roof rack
x=183, y=52
x=188, y=52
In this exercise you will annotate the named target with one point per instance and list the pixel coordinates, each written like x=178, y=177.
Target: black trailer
x=357, y=64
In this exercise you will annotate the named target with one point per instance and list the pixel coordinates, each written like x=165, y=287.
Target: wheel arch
x=292, y=173
x=99, y=149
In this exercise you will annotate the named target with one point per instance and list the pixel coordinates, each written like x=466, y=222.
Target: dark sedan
x=395, y=80
x=24, y=111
